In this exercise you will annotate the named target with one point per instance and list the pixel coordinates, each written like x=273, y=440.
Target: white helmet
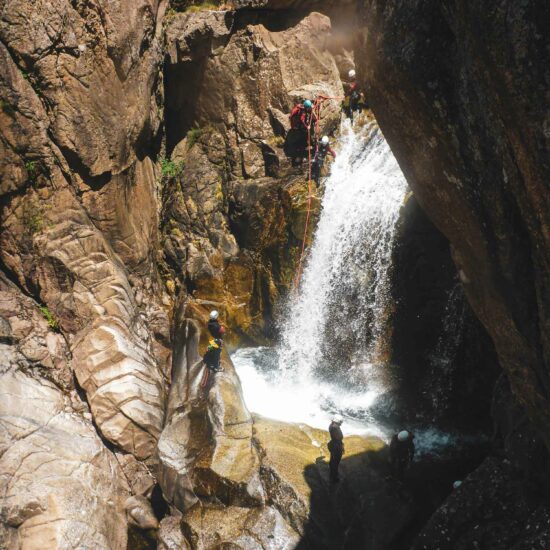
x=324, y=140
x=214, y=314
x=403, y=435
x=338, y=418
x=457, y=484
x=351, y=74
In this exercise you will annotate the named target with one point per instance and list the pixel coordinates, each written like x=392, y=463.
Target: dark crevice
x=160, y=506
x=76, y=165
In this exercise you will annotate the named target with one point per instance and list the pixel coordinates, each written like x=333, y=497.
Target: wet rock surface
x=238, y=220
x=489, y=510
x=443, y=360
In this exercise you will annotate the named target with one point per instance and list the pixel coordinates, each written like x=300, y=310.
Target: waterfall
x=331, y=354
x=336, y=326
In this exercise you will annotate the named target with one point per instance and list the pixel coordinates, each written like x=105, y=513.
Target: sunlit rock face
x=78, y=213
x=61, y=487
x=234, y=219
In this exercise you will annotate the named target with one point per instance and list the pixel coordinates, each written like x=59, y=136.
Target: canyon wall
x=460, y=92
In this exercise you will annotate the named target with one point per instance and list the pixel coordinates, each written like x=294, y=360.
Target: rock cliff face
x=234, y=218
x=460, y=93
x=466, y=119
x=113, y=213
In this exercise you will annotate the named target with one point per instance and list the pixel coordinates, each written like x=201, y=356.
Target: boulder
x=171, y=536
x=205, y=449
x=140, y=513
x=238, y=528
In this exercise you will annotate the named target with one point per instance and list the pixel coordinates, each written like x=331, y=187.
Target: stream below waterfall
x=332, y=356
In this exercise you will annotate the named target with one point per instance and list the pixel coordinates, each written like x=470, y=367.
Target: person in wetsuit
x=323, y=149
x=401, y=453
x=302, y=121
x=335, y=447
x=213, y=353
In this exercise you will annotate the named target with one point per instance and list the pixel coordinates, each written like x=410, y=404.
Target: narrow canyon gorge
x=146, y=181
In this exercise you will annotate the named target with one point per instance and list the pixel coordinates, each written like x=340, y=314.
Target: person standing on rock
x=323, y=149
x=302, y=122
x=401, y=453
x=335, y=447
x=212, y=357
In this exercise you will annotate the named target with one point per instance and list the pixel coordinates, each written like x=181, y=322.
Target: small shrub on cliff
x=193, y=136
x=32, y=169
x=33, y=216
x=171, y=169
x=200, y=5
x=49, y=316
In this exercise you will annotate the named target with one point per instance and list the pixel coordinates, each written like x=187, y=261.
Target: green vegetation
x=193, y=136
x=32, y=169
x=276, y=141
x=200, y=5
x=49, y=316
x=176, y=232
x=171, y=169
x=33, y=217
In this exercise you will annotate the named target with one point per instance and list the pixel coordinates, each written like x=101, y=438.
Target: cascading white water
x=335, y=326
x=338, y=321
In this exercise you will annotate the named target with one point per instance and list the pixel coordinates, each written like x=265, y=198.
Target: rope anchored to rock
x=316, y=113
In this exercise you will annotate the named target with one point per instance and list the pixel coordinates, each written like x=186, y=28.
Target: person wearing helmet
x=354, y=99
x=212, y=357
x=302, y=122
x=335, y=447
x=401, y=453
x=214, y=324
x=323, y=148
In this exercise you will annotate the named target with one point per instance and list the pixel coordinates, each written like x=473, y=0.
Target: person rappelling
x=323, y=149
x=212, y=357
x=302, y=123
x=354, y=98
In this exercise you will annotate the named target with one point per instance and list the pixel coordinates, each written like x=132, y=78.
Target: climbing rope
x=316, y=113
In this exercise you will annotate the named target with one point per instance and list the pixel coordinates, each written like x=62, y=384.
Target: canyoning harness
x=319, y=160
x=211, y=359
x=213, y=354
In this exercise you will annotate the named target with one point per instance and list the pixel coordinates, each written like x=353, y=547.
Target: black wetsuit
x=401, y=455
x=212, y=357
x=214, y=328
x=319, y=161
x=296, y=142
x=336, y=448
